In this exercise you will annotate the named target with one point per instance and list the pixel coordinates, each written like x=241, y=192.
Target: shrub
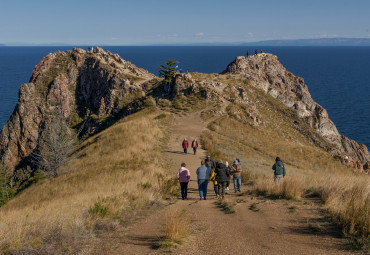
x=226, y=206
x=254, y=207
x=98, y=209
x=291, y=189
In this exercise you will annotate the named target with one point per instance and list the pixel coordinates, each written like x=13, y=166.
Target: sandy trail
x=272, y=230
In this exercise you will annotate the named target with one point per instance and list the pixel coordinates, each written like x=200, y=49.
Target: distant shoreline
x=327, y=42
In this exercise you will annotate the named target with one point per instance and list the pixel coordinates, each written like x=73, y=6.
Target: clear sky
x=142, y=22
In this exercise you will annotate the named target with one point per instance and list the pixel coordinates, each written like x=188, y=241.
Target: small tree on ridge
x=168, y=70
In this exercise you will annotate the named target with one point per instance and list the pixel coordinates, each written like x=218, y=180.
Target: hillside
x=122, y=165
x=75, y=90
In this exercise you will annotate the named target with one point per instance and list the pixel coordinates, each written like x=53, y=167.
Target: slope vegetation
x=123, y=168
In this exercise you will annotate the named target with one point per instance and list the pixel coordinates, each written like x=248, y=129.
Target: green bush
x=146, y=185
x=98, y=209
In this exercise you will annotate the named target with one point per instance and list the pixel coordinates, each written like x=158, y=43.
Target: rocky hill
x=76, y=89
x=266, y=72
x=86, y=91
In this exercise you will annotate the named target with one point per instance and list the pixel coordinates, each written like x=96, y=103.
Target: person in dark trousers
x=236, y=171
x=255, y=52
x=185, y=145
x=279, y=170
x=203, y=174
x=261, y=51
x=194, y=145
x=247, y=53
x=183, y=175
x=222, y=175
x=210, y=163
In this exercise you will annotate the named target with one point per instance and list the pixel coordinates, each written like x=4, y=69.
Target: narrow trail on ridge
x=274, y=229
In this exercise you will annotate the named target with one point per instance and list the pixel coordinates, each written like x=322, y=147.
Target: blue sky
x=143, y=22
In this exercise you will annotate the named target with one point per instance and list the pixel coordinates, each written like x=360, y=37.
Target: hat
x=227, y=164
x=220, y=161
x=346, y=157
x=184, y=138
x=208, y=156
x=183, y=164
x=277, y=159
x=235, y=162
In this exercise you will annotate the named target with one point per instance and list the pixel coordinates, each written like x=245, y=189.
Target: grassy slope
x=121, y=169
x=115, y=172
x=310, y=170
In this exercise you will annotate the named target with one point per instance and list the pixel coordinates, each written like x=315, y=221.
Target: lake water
x=338, y=78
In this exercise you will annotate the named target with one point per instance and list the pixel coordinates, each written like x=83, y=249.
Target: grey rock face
x=265, y=71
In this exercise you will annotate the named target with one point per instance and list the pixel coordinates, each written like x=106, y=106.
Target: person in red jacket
x=194, y=145
x=185, y=145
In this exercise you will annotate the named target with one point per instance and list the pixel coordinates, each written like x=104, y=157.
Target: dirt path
x=274, y=229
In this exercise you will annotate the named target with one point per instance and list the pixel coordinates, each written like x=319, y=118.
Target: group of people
x=194, y=145
x=220, y=173
x=255, y=52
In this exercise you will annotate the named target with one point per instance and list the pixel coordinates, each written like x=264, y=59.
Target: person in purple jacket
x=183, y=175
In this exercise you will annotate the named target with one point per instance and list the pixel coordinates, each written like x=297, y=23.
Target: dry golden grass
x=310, y=170
x=115, y=172
x=177, y=225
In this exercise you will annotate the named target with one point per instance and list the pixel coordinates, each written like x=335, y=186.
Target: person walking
x=222, y=175
x=279, y=170
x=255, y=52
x=183, y=175
x=194, y=145
x=228, y=181
x=236, y=171
x=210, y=163
x=203, y=174
x=247, y=53
x=185, y=145
x=213, y=179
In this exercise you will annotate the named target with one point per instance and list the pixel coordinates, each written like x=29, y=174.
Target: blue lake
x=338, y=78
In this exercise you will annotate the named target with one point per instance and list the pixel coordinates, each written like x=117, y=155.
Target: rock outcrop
x=78, y=86
x=266, y=72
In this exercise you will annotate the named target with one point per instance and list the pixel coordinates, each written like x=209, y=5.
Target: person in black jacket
x=222, y=176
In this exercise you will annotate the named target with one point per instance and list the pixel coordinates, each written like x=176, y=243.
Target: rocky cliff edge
x=80, y=87
x=266, y=72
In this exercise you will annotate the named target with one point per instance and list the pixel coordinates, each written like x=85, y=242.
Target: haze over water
x=338, y=78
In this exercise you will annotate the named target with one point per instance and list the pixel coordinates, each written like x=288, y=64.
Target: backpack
x=279, y=168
